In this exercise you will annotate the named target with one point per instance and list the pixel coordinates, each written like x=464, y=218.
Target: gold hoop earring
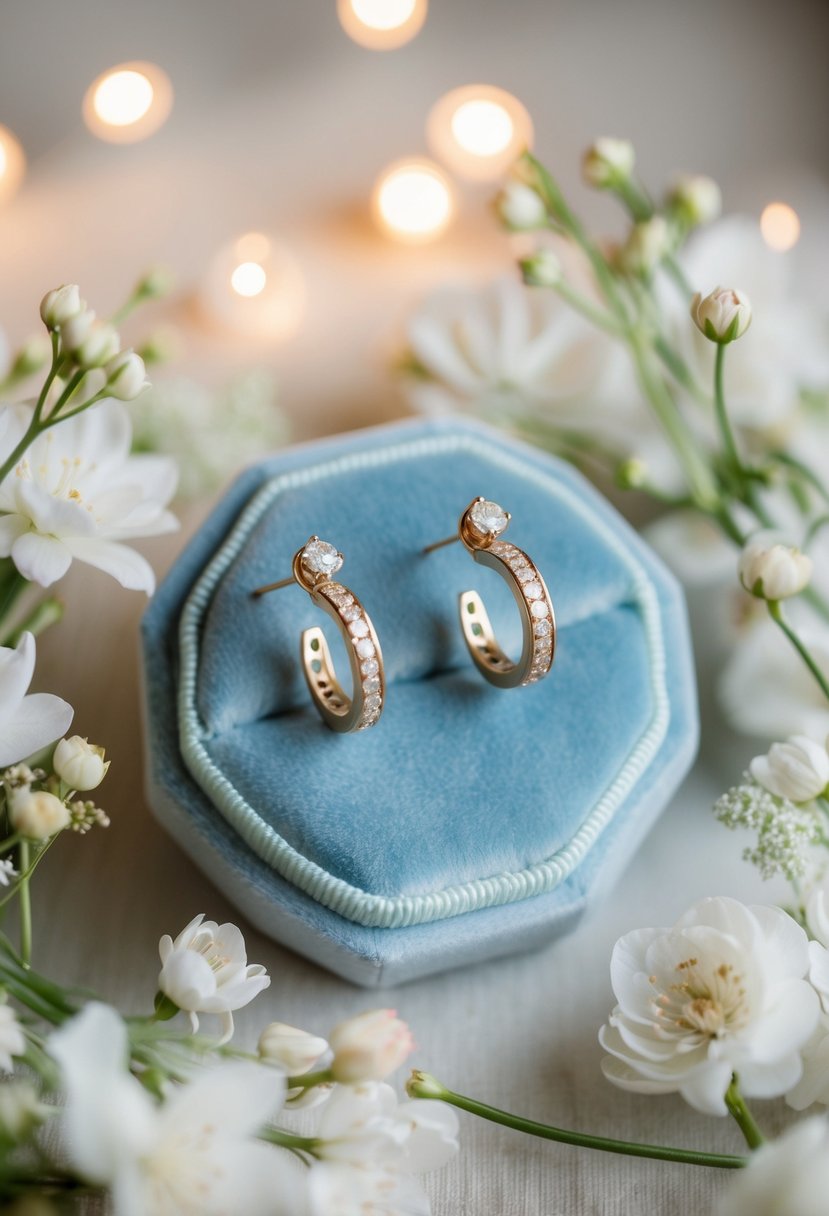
x=313, y=567
x=479, y=528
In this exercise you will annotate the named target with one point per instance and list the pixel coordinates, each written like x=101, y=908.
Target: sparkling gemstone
x=542, y=628
x=370, y=667
x=351, y=613
x=540, y=608
x=525, y=574
x=533, y=591
x=372, y=704
x=365, y=648
x=488, y=517
x=321, y=558
x=519, y=562
x=372, y=684
x=358, y=628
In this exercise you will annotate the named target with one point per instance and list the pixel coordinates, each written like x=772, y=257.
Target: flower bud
x=608, y=162
x=59, y=306
x=723, y=315
x=695, y=199
x=158, y=281
x=79, y=763
x=31, y=357
x=36, y=814
x=521, y=208
x=126, y=377
x=797, y=769
x=370, y=1046
x=632, y=474
x=74, y=331
x=162, y=346
x=645, y=247
x=99, y=346
x=296, y=1050
x=542, y=269
x=774, y=571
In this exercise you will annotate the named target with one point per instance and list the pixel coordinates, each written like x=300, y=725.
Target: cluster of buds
x=38, y=804
x=88, y=345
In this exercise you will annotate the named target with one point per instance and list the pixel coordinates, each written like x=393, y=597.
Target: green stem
x=580, y=304
x=72, y=384
x=723, y=421
x=275, y=1135
x=422, y=1085
x=45, y=614
x=309, y=1079
x=742, y=1116
x=25, y=905
x=776, y=614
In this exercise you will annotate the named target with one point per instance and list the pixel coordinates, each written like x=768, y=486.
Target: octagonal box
x=471, y=821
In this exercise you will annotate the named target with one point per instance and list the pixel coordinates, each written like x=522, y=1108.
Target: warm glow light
x=413, y=201
x=128, y=103
x=780, y=226
x=382, y=25
x=254, y=287
x=12, y=164
x=479, y=131
x=248, y=279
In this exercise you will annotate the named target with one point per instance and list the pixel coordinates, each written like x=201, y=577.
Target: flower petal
x=40, y=719
x=41, y=559
x=129, y=568
x=238, y=1097
x=17, y=666
x=11, y=526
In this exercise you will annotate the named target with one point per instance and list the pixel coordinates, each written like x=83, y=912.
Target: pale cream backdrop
x=281, y=123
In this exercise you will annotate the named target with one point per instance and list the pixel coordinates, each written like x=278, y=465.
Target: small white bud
x=296, y=1050
x=59, y=306
x=632, y=473
x=32, y=356
x=646, y=246
x=74, y=331
x=369, y=1047
x=99, y=346
x=608, y=162
x=36, y=814
x=542, y=269
x=79, y=763
x=723, y=315
x=774, y=571
x=696, y=199
x=157, y=282
x=521, y=208
x=126, y=377
x=797, y=769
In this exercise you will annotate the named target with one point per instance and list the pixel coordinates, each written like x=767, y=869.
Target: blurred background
x=281, y=124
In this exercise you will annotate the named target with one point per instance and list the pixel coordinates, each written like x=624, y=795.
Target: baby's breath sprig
x=786, y=831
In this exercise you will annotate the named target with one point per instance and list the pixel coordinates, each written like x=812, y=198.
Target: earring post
x=285, y=582
x=439, y=544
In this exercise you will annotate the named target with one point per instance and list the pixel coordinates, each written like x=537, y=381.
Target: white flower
x=79, y=763
x=295, y=1050
x=646, y=246
x=697, y=199
x=196, y=1153
x=366, y=1125
x=607, y=162
x=126, y=377
x=773, y=571
x=205, y=970
x=76, y=329
x=100, y=345
x=12, y=1039
x=370, y=1047
x=723, y=991
x=335, y=1189
x=766, y=689
x=542, y=269
x=797, y=769
x=521, y=208
x=59, y=306
x=36, y=814
x=78, y=493
x=786, y=1177
x=7, y=872
x=817, y=911
x=723, y=315
x=27, y=723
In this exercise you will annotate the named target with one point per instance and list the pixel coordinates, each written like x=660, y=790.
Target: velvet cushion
x=468, y=814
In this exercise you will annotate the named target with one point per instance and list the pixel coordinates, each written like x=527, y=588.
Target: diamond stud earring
x=478, y=530
x=313, y=568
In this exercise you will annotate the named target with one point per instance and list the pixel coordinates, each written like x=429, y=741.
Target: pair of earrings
x=479, y=529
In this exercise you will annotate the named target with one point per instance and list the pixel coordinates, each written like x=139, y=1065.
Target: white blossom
x=697, y=199
x=723, y=991
x=36, y=814
x=59, y=306
x=766, y=689
x=7, y=872
x=126, y=377
x=205, y=970
x=773, y=571
x=520, y=207
x=786, y=1177
x=786, y=833
x=646, y=246
x=12, y=1039
x=723, y=315
x=607, y=162
x=370, y=1046
x=365, y=1124
x=797, y=769
x=27, y=722
x=78, y=493
x=295, y=1050
x=79, y=763
x=196, y=1153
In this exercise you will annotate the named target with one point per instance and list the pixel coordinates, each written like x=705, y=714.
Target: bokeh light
x=128, y=103
x=478, y=131
x=382, y=25
x=413, y=201
x=255, y=287
x=780, y=226
x=12, y=164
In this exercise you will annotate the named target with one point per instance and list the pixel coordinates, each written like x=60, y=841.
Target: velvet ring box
x=470, y=821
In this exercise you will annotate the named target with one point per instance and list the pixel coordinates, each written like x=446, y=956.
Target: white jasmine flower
x=365, y=1124
x=520, y=207
x=59, y=306
x=696, y=198
x=205, y=970
x=335, y=1189
x=27, y=722
x=542, y=269
x=78, y=493
x=797, y=769
x=79, y=763
x=723, y=991
x=100, y=345
x=766, y=689
x=36, y=814
x=76, y=329
x=607, y=162
x=786, y=833
x=12, y=1039
x=196, y=1153
x=786, y=1177
x=126, y=377
x=723, y=315
x=370, y=1047
x=773, y=571
x=7, y=872
x=646, y=246
x=295, y=1050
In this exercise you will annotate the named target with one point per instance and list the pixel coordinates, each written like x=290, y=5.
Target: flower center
x=210, y=948
x=699, y=1003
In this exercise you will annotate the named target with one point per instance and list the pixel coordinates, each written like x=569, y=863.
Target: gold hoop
x=312, y=568
x=479, y=527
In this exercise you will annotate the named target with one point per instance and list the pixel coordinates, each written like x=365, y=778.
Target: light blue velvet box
x=471, y=821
